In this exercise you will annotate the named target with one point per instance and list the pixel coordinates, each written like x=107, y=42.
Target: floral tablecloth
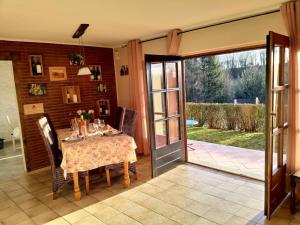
x=95, y=151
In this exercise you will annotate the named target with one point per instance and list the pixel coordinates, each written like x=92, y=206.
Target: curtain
x=173, y=41
x=138, y=95
x=291, y=16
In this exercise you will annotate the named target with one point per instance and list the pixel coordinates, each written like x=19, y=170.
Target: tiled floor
x=8, y=151
x=187, y=194
x=242, y=161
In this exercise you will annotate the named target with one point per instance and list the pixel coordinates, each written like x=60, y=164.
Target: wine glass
x=101, y=124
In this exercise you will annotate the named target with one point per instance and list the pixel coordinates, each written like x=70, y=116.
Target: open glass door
x=276, y=122
x=164, y=78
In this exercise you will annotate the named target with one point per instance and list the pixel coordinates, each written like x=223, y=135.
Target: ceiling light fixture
x=84, y=69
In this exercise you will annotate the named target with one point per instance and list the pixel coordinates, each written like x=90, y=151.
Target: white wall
x=8, y=103
x=242, y=33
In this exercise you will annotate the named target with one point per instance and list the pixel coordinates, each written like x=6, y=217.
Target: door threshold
x=228, y=172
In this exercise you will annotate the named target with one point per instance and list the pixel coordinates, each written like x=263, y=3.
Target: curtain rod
x=213, y=25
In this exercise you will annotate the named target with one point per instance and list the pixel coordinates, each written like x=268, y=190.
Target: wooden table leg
x=126, y=175
x=77, y=193
x=107, y=176
x=87, y=184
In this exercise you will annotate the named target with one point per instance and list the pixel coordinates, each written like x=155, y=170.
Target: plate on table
x=72, y=139
x=112, y=133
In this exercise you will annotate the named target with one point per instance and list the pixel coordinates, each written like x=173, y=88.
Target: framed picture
x=57, y=73
x=103, y=106
x=124, y=70
x=37, y=89
x=101, y=88
x=96, y=72
x=36, y=65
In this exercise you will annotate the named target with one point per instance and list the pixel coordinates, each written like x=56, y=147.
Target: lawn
x=250, y=140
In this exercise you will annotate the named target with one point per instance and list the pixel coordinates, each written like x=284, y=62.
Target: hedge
x=242, y=117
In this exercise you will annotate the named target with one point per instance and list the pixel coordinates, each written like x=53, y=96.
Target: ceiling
x=114, y=22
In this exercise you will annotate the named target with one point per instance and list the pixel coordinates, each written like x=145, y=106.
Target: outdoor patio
x=247, y=162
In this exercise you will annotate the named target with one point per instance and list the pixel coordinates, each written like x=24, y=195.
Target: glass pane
x=157, y=76
x=286, y=98
x=160, y=134
x=275, y=151
x=275, y=110
x=286, y=66
x=173, y=103
x=172, y=75
x=276, y=66
x=174, y=131
x=159, y=105
x=285, y=141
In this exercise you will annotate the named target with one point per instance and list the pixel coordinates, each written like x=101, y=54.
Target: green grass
x=250, y=140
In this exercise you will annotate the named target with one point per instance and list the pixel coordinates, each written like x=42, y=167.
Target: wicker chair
x=127, y=122
x=55, y=157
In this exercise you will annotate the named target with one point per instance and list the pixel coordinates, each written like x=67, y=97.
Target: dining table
x=94, y=151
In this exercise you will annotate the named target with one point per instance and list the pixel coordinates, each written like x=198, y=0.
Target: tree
x=252, y=84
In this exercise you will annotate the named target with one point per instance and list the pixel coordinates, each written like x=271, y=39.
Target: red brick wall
x=57, y=55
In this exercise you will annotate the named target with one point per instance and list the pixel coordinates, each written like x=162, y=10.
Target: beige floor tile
x=9, y=212
x=136, y=212
x=76, y=216
x=89, y=220
x=197, y=208
x=152, y=218
x=235, y=220
x=202, y=221
x=122, y=219
x=106, y=214
x=58, y=221
x=22, y=198
x=149, y=189
x=95, y=207
x=86, y=201
x=16, y=218
x=217, y=216
x=29, y=203
x=6, y=203
x=36, y=210
x=166, y=210
x=249, y=214
x=119, y=203
x=44, y=217
x=65, y=209
x=184, y=217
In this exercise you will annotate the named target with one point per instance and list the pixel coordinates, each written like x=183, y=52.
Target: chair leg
x=55, y=195
x=87, y=184
x=107, y=176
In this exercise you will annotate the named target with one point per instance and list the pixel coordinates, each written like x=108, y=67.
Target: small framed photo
x=103, y=106
x=101, y=88
x=58, y=73
x=124, y=70
x=39, y=89
x=96, y=72
x=36, y=65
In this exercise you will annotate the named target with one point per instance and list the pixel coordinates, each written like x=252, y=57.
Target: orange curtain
x=138, y=95
x=173, y=41
x=291, y=16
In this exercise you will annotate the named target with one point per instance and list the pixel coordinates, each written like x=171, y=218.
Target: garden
x=239, y=125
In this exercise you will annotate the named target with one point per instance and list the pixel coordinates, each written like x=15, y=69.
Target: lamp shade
x=84, y=71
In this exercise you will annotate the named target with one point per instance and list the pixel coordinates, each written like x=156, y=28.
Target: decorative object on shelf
x=124, y=70
x=71, y=94
x=36, y=65
x=103, y=106
x=84, y=69
x=75, y=59
x=37, y=89
x=30, y=109
x=101, y=88
x=96, y=72
x=58, y=73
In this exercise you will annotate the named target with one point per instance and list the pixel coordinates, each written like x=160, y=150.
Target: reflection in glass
x=285, y=141
x=159, y=105
x=275, y=151
x=173, y=103
x=174, y=130
x=286, y=66
x=157, y=76
x=275, y=110
x=160, y=134
x=286, y=98
x=171, y=75
x=276, y=70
